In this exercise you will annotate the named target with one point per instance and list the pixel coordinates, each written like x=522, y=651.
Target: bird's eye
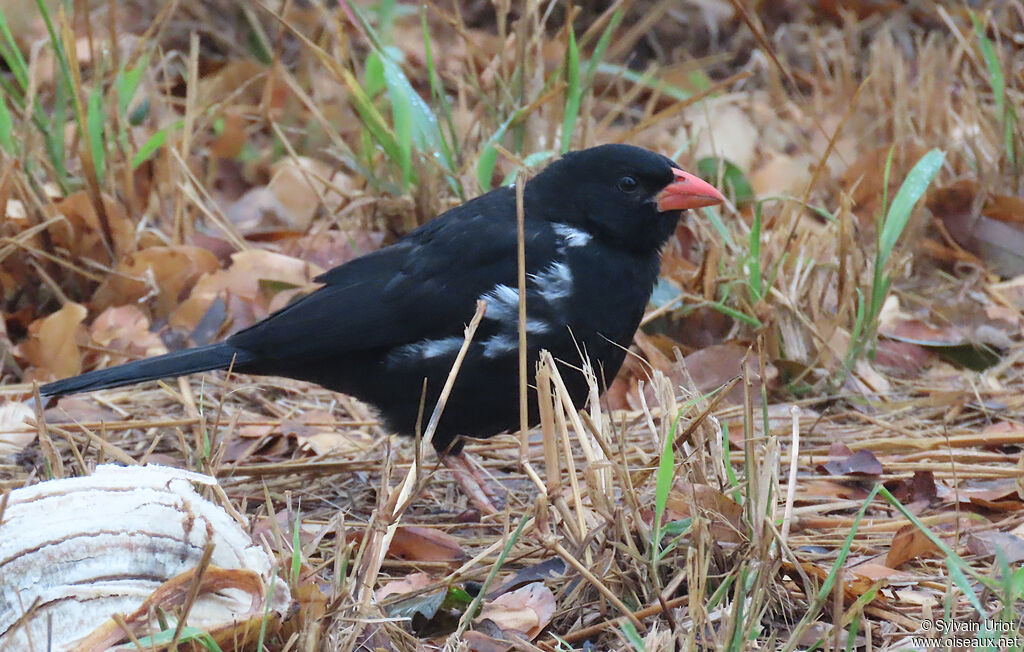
x=628, y=184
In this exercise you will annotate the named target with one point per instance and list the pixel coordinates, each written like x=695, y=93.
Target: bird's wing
x=425, y=286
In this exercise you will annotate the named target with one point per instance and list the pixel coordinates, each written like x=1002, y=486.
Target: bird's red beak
x=687, y=191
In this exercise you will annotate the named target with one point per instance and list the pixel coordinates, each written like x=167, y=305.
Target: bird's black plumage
x=382, y=323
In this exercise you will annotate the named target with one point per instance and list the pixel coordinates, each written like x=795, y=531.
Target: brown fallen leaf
x=52, y=344
x=725, y=513
x=527, y=610
x=167, y=274
x=863, y=462
x=990, y=228
x=15, y=433
x=909, y=543
x=408, y=584
x=854, y=585
x=80, y=231
x=414, y=543
x=480, y=642
x=257, y=279
x=318, y=431
x=875, y=571
x=986, y=544
x=126, y=328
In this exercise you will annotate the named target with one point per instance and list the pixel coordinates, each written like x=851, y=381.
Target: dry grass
x=766, y=549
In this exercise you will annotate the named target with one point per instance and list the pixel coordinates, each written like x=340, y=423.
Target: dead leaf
x=715, y=365
x=408, y=584
x=250, y=285
x=989, y=228
x=15, y=433
x=527, y=610
x=726, y=514
x=52, y=344
x=80, y=231
x=854, y=585
x=875, y=571
x=985, y=544
x=480, y=642
x=909, y=543
x=863, y=462
x=166, y=273
x=318, y=431
x=332, y=248
x=415, y=543
x=126, y=328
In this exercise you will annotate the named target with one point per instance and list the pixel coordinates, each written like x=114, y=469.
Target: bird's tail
x=179, y=363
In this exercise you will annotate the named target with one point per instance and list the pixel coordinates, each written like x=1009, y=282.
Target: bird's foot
x=474, y=482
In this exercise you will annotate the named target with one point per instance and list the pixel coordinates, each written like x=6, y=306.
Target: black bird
x=595, y=223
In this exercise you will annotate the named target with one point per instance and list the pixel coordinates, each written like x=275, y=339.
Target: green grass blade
x=573, y=91
x=939, y=543
x=441, y=98
x=663, y=484
x=995, y=70
x=914, y=186
x=489, y=155
x=755, y=280
x=374, y=122
x=825, y=590
x=401, y=118
x=749, y=320
x=601, y=47
x=94, y=124
x=152, y=145
x=127, y=83
x=12, y=54
x=188, y=634
x=965, y=585
x=530, y=161
x=646, y=79
x=6, y=127
x=719, y=226
x=631, y=635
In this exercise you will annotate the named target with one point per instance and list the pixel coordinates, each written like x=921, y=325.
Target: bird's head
x=626, y=196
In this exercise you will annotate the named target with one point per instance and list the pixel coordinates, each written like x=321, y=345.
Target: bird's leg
x=475, y=484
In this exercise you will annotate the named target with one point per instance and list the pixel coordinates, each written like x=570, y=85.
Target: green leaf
x=663, y=481
x=373, y=75
x=6, y=127
x=734, y=182
x=187, y=634
x=530, y=161
x=148, y=148
x=995, y=70
x=629, y=631
x=573, y=91
x=401, y=117
x=602, y=46
x=958, y=577
x=94, y=125
x=719, y=225
x=489, y=155
x=127, y=83
x=914, y=186
x=12, y=54
x=427, y=605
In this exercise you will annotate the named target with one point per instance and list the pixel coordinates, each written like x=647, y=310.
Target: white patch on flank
x=572, y=236
x=430, y=348
x=502, y=302
x=503, y=306
x=498, y=345
x=555, y=282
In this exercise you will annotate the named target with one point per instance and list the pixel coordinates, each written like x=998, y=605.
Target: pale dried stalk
x=794, y=459
x=400, y=499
